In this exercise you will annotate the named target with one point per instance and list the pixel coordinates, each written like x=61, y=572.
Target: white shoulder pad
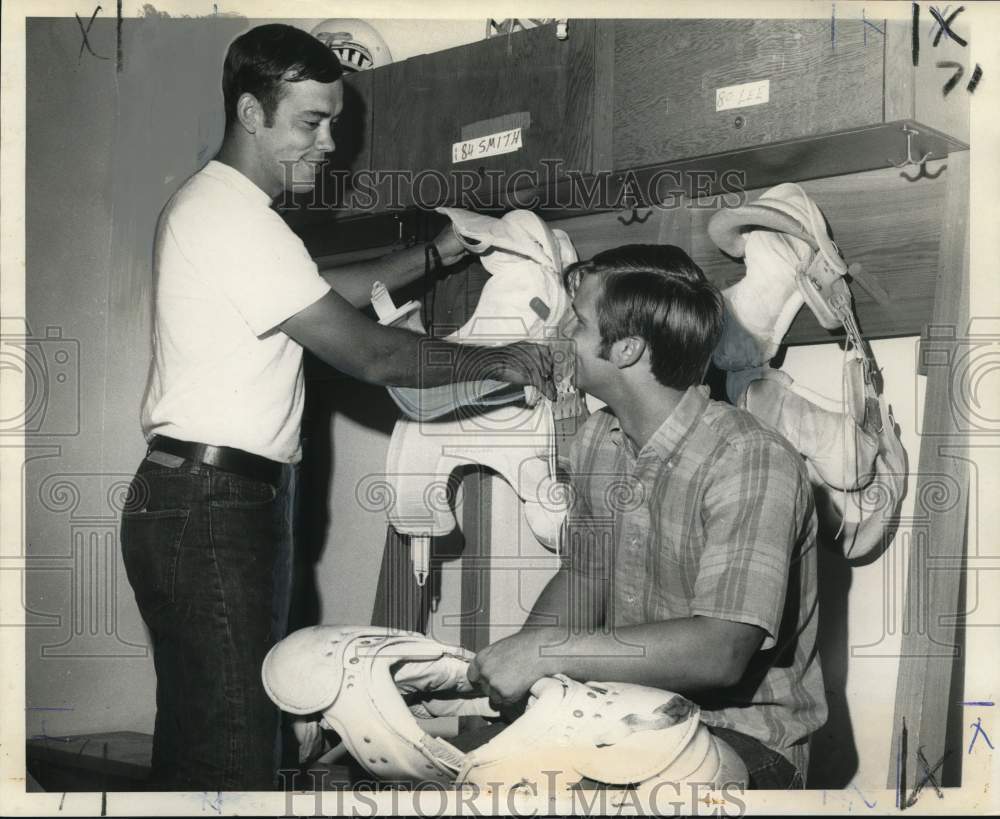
x=303, y=672
x=347, y=674
x=614, y=733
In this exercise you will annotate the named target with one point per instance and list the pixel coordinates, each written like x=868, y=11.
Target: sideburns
x=604, y=350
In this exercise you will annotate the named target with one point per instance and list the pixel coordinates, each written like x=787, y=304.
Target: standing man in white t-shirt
x=206, y=534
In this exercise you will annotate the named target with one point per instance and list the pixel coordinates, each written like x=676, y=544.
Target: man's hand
x=506, y=669
x=448, y=246
x=524, y=363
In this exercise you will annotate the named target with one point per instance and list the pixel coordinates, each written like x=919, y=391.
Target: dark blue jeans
x=769, y=770
x=208, y=554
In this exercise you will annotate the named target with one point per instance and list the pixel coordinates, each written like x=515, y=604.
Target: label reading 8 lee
x=503, y=142
x=740, y=96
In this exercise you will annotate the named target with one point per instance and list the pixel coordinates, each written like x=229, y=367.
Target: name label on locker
x=740, y=96
x=502, y=142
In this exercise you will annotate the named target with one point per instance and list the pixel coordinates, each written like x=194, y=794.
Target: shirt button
x=634, y=542
x=630, y=598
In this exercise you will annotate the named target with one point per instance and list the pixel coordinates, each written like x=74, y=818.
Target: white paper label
x=503, y=142
x=740, y=96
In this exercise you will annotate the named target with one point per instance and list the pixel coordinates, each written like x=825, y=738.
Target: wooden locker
x=530, y=80
x=685, y=88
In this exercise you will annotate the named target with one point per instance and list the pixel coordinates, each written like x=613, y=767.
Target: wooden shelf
x=633, y=105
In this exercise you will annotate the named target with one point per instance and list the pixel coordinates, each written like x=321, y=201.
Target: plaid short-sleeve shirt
x=714, y=517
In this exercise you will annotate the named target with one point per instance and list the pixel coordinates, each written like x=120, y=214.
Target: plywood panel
x=353, y=133
x=918, y=91
x=666, y=74
x=880, y=220
x=899, y=90
x=599, y=231
x=932, y=613
x=604, y=89
x=425, y=104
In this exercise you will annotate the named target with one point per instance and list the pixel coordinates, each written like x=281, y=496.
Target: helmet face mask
x=357, y=44
x=353, y=56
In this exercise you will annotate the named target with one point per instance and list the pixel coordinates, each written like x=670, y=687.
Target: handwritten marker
x=977, y=726
x=978, y=702
x=901, y=758
x=977, y=75
x=119, y=52
x=85, y=43
x=930, y=773
x=945, y=25
x=104, y=793
x=867, y=803
x=953, y=81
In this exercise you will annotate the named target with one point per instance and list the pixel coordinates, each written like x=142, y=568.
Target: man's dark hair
x=261, y=59
x=657, y=293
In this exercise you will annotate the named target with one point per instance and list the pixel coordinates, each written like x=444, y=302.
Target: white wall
x=860, y=654
x=105, y=150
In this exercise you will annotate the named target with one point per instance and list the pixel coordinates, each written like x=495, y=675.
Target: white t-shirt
x=228, y=271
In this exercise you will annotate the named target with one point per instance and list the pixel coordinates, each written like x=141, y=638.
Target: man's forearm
x=344, y=338
x=354, y=281
x=569, y=601
x=678, y=655
x=405, y=359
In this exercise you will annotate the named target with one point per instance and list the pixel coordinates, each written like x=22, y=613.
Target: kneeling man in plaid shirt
x=690, y=550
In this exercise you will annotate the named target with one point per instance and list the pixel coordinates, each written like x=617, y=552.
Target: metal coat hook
x=922, y=174
x=910, y=133
x=634, y=216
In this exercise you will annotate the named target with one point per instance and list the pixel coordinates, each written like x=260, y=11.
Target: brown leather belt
x=229, y=459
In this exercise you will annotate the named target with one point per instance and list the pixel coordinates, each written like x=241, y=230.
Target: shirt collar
x=236, y=179
x=667, y=439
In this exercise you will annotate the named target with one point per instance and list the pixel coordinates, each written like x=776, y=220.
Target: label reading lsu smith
x=502, y=142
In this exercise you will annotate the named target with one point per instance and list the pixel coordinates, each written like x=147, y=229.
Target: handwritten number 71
x=943, y=24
